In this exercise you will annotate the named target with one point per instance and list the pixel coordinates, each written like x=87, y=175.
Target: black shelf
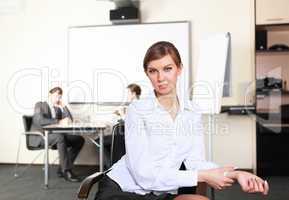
x=272, y=51
x=239, y=109
x=273, y=27
x=272, y=92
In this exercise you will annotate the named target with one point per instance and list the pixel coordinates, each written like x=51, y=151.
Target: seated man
x=53, y=112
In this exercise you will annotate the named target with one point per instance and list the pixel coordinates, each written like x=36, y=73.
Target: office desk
x=83, y=129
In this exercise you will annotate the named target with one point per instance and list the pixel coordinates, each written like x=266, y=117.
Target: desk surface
x=76, y=126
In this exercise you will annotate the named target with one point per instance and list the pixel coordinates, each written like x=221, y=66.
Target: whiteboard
x=210, y=73
x=103, y=60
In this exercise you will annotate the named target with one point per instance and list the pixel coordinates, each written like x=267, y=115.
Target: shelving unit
x=272, y=128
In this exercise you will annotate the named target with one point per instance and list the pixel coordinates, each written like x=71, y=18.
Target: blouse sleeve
x=196, y=158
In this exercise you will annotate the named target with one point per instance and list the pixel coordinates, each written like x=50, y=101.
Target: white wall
x=35, y=35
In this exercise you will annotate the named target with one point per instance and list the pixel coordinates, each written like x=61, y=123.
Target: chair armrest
x=87, y=183
x=202, y=188
x=33, y=133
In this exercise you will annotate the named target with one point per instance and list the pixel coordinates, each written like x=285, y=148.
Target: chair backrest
x=118, y=143
x=27, y=122
x=30, y=138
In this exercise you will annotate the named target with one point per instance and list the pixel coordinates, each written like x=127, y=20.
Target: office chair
x=113, y=144
x=27, y=122
x=117, y=142
x=117, y=151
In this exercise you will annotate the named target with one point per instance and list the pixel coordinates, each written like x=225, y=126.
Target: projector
x=124, y=15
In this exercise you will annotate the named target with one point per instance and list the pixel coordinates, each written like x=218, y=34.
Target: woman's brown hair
x=159, y=50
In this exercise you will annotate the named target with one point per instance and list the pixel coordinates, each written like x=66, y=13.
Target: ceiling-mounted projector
x=125, y=15
x=126, y=12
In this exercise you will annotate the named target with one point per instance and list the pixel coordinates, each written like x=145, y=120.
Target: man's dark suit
x=68, y=145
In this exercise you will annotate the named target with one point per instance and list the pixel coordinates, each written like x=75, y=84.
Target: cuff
x=187, y=178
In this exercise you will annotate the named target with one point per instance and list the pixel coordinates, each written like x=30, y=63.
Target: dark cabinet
x=272, y=149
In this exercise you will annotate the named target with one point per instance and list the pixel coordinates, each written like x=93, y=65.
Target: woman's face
x=163, y=74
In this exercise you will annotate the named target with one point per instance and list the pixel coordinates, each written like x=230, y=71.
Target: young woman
x=162, y=132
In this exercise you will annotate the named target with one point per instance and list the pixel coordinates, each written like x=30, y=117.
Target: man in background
x=133, y=94
x=52, y=112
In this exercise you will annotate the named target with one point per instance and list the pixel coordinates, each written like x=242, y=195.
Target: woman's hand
x=250, y=183
x=216, y=178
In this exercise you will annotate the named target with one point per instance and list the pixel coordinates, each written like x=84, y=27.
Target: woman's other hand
x=217, y=178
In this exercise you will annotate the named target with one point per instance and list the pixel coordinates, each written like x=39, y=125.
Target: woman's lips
x=162, y=87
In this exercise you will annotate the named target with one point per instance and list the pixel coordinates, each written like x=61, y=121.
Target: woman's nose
x=160, y=76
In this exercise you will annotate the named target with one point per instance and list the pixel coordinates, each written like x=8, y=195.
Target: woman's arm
x=215, y=177
x=219, y=177
x=196, y=158
x=208, y=172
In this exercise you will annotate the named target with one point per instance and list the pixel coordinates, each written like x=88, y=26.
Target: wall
x=35, y=35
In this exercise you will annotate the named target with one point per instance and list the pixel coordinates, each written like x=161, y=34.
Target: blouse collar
x=184, y=101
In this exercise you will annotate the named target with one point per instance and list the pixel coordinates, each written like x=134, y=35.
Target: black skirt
x=110, y=190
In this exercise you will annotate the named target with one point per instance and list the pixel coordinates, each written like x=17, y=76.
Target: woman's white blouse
x=156, y=146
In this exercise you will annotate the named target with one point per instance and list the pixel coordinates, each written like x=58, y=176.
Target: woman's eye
x=167, y=69
x=151, y=71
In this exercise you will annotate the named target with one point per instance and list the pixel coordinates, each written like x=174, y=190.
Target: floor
x=29, y=186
